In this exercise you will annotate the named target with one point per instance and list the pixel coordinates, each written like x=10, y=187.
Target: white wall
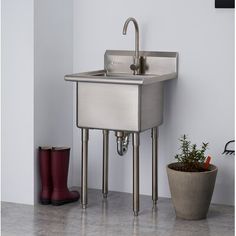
x=37, y=104
x=17, y=101
x=1, y=90
x=200, y=103
x=53, y=105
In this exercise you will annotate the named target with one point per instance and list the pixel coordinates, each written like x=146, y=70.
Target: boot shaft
x=45, y=166
x=60, y=167
x=44, y=155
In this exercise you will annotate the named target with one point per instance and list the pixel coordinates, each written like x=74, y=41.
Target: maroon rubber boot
x=59, y=169
x=45, y=174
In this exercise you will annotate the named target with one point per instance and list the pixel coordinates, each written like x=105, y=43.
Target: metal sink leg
x=154, y=166
x=105, y=163
x=84, y=168
x=135, y=137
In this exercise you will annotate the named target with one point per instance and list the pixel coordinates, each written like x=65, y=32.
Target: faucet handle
x=134, y=67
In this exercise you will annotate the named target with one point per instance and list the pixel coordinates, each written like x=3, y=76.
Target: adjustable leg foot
x=135, y=213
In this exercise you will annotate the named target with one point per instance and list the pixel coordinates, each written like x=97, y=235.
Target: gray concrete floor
x=112, y=217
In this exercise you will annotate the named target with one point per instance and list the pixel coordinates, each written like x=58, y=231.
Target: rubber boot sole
x=45, y=201
x=62, y=202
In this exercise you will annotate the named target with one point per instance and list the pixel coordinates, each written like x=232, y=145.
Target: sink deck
x=102, y=76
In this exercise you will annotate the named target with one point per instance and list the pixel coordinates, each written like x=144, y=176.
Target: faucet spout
x=135, y=66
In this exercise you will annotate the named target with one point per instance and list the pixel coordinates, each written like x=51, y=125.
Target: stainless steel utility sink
x=127, y=97
x=115, y=99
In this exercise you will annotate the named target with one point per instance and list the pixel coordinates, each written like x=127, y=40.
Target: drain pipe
x=122, y=140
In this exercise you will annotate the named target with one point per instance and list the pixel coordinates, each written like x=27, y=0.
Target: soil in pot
x=191, y=167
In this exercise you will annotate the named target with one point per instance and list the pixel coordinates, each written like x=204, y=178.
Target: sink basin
x=115, y=99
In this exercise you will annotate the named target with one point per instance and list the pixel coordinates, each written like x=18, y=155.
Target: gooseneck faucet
x=134, y=67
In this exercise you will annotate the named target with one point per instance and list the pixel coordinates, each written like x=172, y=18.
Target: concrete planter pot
x=191, y=192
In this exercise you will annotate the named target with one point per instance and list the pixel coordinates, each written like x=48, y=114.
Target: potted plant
x=191, y=180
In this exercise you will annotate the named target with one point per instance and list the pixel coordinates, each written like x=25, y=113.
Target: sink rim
x=102, y=76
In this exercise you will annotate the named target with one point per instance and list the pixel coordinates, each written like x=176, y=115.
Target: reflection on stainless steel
x=84, y=223
x=154, y=217
x=104, y=218
x=136, y=226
